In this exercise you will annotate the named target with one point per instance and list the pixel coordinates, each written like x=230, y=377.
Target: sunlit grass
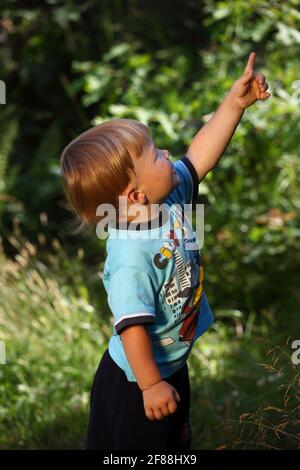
x=243, y=396
x=54, y=341
x=55, y=335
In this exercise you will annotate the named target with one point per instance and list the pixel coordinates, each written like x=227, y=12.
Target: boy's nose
x=167, y=155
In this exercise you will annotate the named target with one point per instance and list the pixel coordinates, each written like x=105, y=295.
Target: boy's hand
x=160, y=400
x=250, y=88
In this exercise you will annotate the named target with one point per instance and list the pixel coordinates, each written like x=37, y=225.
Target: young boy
x=153, y=276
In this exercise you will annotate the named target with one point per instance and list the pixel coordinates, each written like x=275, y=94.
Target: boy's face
x=155, y=175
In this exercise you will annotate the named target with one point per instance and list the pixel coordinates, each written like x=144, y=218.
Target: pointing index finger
x=250, y=64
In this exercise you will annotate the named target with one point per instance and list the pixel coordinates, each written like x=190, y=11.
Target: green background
x=70, y=65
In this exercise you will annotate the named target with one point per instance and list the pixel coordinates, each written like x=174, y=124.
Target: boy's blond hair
x=96, y=166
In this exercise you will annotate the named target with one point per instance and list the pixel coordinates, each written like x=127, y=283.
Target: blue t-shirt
x=151, y=278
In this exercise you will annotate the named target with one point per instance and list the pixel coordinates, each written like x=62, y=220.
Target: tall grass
x=54, y=341
x=55, y=333
x=276, y=423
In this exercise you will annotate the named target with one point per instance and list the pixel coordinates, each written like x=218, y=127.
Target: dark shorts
x=117, y=418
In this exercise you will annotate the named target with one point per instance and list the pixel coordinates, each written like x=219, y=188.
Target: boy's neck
x=149, y=213
x=146, y=213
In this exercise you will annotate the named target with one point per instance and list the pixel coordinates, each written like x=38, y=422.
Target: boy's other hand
x=250, y=88
x=160, y=400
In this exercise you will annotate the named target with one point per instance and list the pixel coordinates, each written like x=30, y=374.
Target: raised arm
x=211, y=141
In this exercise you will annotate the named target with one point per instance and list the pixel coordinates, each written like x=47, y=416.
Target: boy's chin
x=176, y=180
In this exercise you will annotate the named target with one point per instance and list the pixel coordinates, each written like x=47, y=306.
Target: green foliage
x=53, y=345
x=55, y=342
x=9, y=129
x=72, y=65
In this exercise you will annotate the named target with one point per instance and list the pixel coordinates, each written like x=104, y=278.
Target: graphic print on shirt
x=162, y=258
x=181, y=286
x=191, y=312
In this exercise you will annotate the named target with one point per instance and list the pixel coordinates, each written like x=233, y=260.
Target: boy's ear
x=134, y=195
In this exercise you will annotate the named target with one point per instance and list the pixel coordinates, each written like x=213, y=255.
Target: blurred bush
x=71, y=65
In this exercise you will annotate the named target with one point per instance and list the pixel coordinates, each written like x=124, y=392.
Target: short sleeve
x=131, y=298
x=187, y=190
